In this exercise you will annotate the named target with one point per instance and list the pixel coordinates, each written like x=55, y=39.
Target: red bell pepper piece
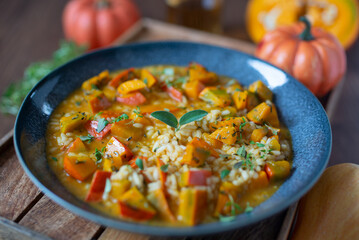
x=122, y=76
x=91, y=127
x=97, y=187
x=133, y=99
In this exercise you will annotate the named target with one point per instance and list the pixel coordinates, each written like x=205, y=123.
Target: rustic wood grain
x=16, y=189
x=111, y=233
x=50, y=219
x=13, y=231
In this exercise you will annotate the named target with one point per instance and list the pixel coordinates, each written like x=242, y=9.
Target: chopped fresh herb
x=139, y=163
x=251, y=142
x=181, y=80
x=55, y=159
x=145, y=81
x=248, y=161
x=260, y=144
x=224, y=173
x=98, y=155
x=248, y=208
x=87, y=138
x=226, y=218
x=238, y=165
x=164, y=168
x=102, y=123
x=103, y=149
x=242, y=151
x=129, y=139
x=137, y=111
x=120, y=118
x=78, y=103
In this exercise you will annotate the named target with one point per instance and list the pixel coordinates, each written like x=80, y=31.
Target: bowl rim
x=154, y=230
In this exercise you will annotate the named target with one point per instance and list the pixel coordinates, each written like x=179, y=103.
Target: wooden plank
x=111, y=233
x=16, y=190
x=13, y=231
x=48, y=218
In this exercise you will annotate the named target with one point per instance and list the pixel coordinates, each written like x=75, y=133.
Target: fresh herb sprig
x=16, y=92
x=171, y=120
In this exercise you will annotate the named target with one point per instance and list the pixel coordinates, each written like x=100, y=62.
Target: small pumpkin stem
x=306, y=35
x=102, y=4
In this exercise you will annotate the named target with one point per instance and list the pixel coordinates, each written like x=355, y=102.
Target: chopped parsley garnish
x=164, y=168
x=139, y=163
x=238, y=165
x=55, y=159
x=120, y=118
x=87, y=138
x=260, y=144
x=248, y=161
x=102, y=123
x=224, y=173
x=78, y=103
x=242, y=151
x=251, y=142
x=98, y=155
x=145, y=81
x=137, y=111
x=93, y=86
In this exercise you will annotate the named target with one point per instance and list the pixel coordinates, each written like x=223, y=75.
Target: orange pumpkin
x=97, y=23
x=311, y=55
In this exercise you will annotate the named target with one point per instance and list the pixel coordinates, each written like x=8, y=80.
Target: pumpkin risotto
x=170, y=145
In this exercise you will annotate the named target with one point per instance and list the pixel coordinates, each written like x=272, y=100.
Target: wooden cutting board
x=26, y=213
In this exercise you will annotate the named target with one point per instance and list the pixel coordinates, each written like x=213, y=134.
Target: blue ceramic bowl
x=298, y=109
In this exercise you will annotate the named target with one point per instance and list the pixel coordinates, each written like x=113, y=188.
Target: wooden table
x=23, y=205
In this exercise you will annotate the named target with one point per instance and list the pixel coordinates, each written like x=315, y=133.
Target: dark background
x=30, y=31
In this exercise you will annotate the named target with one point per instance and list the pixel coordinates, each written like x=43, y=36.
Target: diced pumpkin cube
x=126, y=131
x=91, y=127
x=202, y=76
x=117, y=152
x=109, y=92
x=145, y=121
x=236, y=87
x=261, y=90
x=203, y=144
x=195, y=156
x=77, y=147
x=70, y=123
x=97, y=186
x=244, y=100
x=148, y=78
x=132, y=99
x=195, y=177
x=222, y=206
x=240, y=99
x=197, y=151
x=277, y=170
x=226, y=135
x=98, y=102
x=230, y=122
x=274, y=143
x=132, y=162
x=79, y=168
x=260, y=182
x=131, y=86
x=197, y=66
x=158, y=199
x=96, y=82
x=264, y=113
x=213, y=142
x=122, y=77
x=216, y=96
x=192, y=205
x=134, y=205
x=193, y=89
x=119, y=187
x=258, y=134
x=110, y=114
